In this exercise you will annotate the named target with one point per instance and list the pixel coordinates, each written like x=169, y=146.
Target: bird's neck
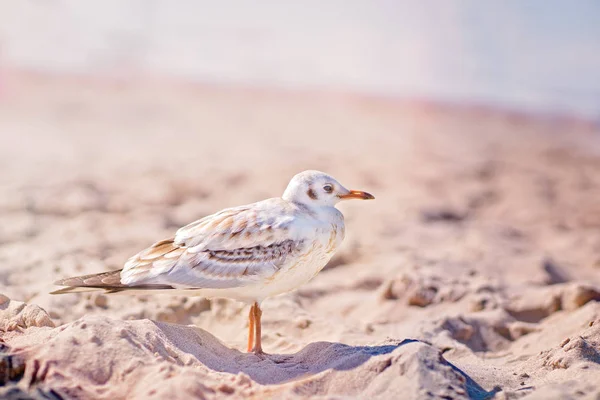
x=308, y=206
x=320, y=212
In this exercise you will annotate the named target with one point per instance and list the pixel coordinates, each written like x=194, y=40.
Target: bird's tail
x=110, y=282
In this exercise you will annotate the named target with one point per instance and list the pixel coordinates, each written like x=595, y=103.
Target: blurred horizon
x=535, y=56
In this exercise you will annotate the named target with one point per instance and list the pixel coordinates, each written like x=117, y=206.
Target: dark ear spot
x=311, y=193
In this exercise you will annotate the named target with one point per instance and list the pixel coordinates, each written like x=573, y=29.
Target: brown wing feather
x=108, y=281
x=110, y=278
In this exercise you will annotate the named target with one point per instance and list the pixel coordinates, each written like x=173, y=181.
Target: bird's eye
x=328, y=188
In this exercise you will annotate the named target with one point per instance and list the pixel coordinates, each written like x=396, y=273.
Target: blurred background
x=536, y=55
x=122, y=120
x=474, y=123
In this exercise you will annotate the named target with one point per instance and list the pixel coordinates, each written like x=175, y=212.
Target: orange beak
x=357, y=194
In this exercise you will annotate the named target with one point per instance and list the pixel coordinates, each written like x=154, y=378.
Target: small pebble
x=101, y=301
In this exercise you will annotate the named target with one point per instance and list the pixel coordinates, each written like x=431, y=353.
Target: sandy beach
x=474, y=274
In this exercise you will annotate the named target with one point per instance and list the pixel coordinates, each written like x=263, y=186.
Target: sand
x=474, y=274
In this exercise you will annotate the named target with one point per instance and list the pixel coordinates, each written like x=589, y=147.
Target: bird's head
x=315, y=188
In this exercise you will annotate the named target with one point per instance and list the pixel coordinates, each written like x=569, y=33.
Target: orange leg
x=257, y=315
x=251, y=329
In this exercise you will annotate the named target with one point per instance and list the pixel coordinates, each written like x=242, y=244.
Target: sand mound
x=99, y=357
x=581, y=349
x=17, y=315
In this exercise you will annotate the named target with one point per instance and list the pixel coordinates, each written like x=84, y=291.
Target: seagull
x=246, y=253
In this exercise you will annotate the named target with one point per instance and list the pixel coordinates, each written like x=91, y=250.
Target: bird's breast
x=306, y=264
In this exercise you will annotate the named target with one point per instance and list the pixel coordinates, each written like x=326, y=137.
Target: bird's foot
x=259, y=353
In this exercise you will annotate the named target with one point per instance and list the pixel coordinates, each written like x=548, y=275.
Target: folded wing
x=232, y=248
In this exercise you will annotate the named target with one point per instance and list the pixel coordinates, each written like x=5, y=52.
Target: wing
x=260, y=223
x=232, y=248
